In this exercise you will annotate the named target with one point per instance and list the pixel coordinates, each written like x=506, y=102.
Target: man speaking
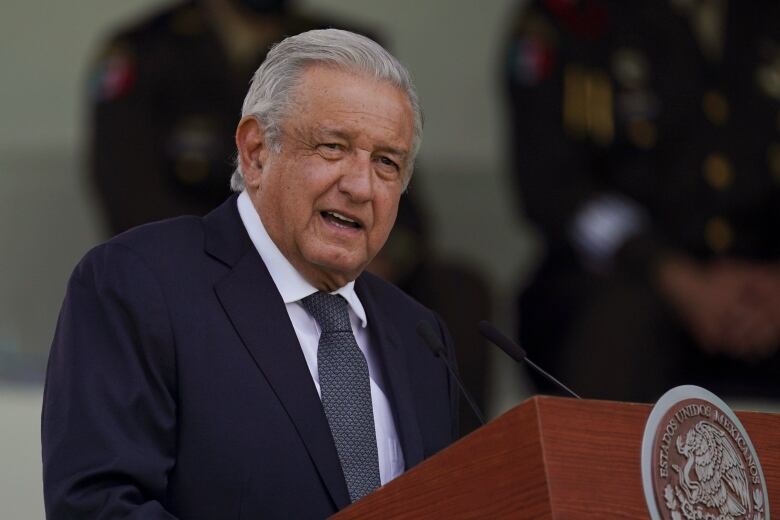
x=242, y=365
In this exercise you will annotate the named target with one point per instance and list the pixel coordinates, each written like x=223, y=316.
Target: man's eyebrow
x=393, y=151
x=324, y=132
x=331, y=132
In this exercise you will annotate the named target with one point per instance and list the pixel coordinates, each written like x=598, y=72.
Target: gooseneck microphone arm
x=429, y=336
x=516, y=352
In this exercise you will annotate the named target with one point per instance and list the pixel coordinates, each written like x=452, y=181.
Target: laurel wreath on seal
x=690, y=512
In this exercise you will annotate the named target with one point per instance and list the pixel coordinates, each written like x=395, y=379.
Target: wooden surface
x=764, y=430
x=496, y=472
x=600, y=443
x=549, y=458
x=592, y=451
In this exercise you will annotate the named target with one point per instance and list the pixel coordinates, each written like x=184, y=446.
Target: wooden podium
x=549, y=457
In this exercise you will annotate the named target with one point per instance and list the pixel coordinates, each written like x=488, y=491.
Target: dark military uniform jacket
x=633, y=140
x=619, y=98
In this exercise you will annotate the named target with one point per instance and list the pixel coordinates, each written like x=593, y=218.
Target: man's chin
x=334, y=274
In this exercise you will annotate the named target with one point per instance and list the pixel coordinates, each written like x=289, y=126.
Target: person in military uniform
x=164, y=97
x=646, y=142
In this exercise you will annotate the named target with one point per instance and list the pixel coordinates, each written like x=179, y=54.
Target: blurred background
x=51, y=213
x=599, y=180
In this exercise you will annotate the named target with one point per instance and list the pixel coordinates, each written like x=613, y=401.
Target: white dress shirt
x=293, y=287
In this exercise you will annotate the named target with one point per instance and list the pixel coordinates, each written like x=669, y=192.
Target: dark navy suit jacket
x=176, y=387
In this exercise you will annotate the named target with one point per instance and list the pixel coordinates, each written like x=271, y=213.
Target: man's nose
x=357, y=178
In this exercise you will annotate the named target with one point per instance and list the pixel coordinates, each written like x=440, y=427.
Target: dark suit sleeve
x=109, y=409
x=453, y=386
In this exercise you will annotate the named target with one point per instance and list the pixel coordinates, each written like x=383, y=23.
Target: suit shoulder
x=143, y=256
x=548, y=19
x=160, y=23
x=131, y=46
x=166, y=239
x=128, y=60
x=171, y=231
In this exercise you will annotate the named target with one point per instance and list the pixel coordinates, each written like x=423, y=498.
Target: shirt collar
x=291, y=285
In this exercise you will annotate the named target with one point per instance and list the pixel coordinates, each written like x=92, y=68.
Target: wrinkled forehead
x=327, y=96
x=349, y=73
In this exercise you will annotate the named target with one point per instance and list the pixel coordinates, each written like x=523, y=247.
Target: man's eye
x=331, y=151
x=388, y=162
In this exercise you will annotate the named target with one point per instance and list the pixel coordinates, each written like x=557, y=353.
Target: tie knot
x=330, y=311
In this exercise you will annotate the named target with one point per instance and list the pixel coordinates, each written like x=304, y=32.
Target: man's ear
x=252, y=149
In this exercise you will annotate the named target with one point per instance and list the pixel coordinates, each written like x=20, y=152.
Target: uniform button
x=642, y=133
x=773, y=161
x=719, y=234
x=718, y=171
x=715, y=107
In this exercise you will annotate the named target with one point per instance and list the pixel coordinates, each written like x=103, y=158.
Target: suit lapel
x=254, y=306
x=387, y=343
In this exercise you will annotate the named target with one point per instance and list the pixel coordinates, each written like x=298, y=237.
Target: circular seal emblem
x=698, y=462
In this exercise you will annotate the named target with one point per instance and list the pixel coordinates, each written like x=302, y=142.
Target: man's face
x=329, y=198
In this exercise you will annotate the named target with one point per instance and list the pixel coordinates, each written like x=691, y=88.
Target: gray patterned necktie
x=346, y=393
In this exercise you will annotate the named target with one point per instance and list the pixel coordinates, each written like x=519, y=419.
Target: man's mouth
x=340, y=220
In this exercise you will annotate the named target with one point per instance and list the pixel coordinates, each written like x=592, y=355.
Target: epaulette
x=187, y=21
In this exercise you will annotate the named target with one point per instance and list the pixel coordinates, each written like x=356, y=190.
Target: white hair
x=270, y=93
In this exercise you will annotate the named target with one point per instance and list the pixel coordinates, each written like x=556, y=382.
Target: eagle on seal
x=721, y=481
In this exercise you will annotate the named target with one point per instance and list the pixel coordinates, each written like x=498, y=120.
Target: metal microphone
x=516, y=352
x=429, y=336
